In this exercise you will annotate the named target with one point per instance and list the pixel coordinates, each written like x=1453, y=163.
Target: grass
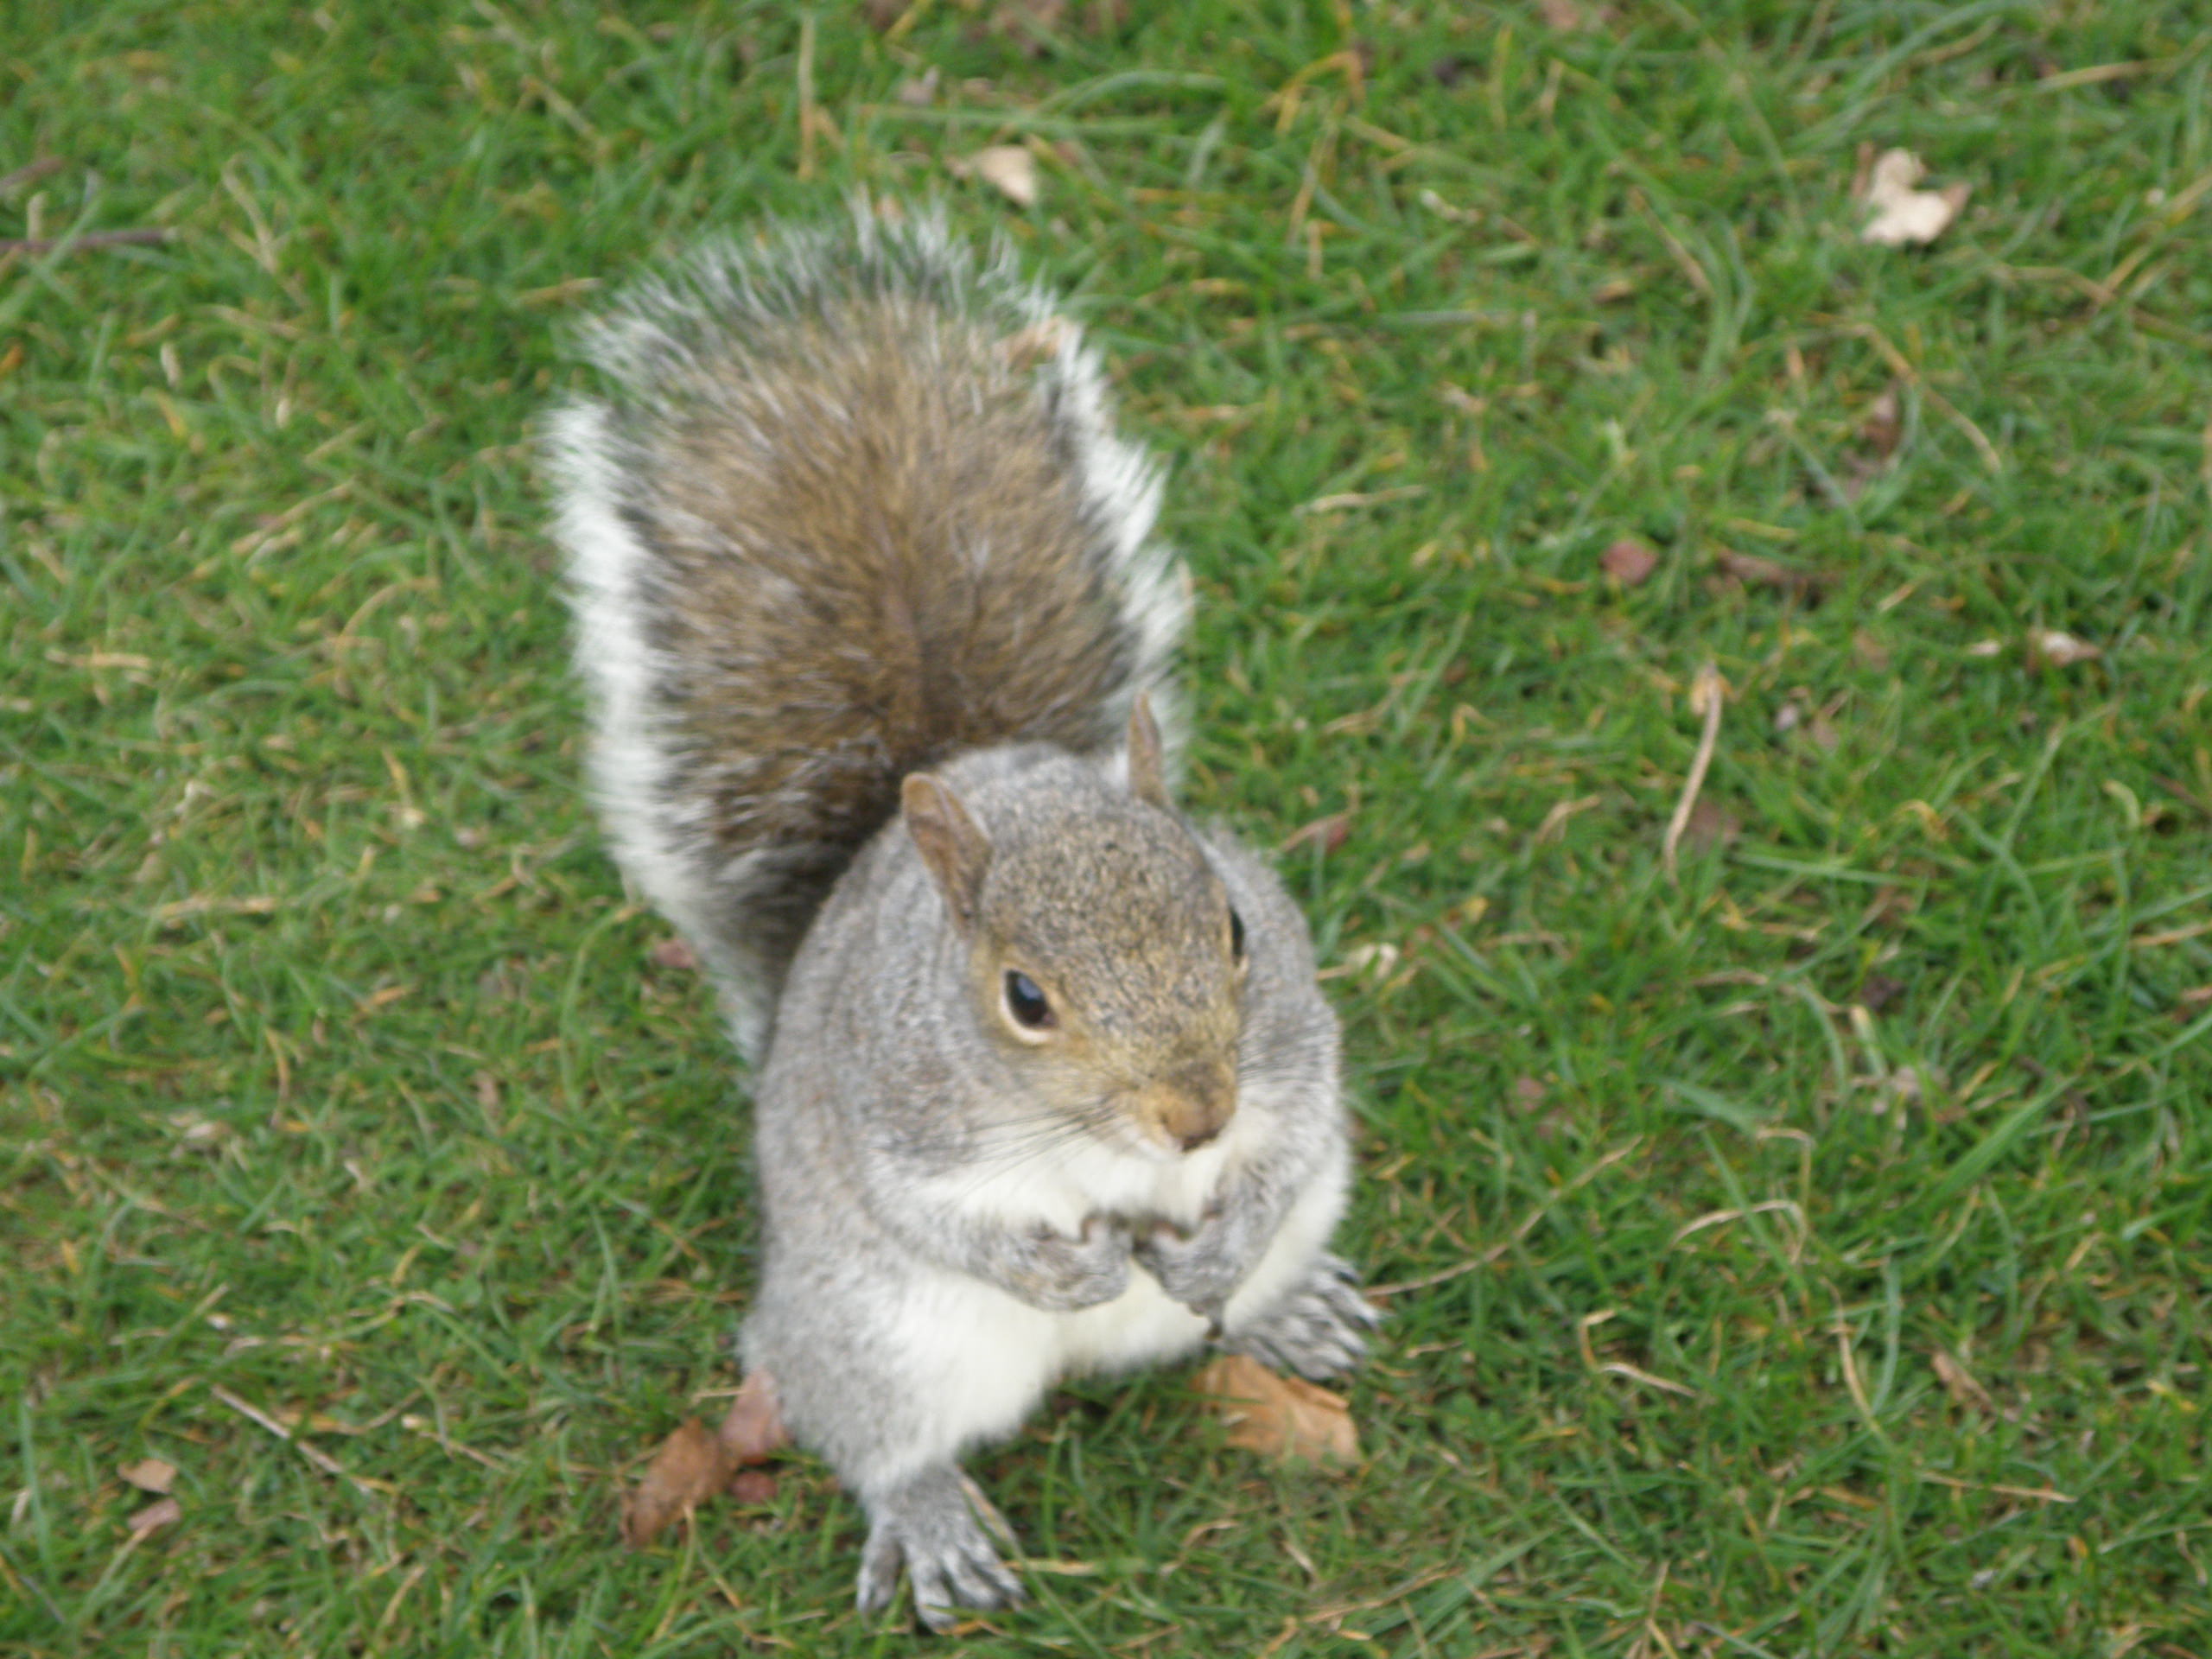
x=1806, y=1254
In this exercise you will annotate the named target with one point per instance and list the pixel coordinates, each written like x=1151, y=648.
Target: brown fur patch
x=869, y=554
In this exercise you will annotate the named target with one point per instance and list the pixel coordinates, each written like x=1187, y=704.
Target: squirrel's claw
x=938, y=1527
x=1319, y=1330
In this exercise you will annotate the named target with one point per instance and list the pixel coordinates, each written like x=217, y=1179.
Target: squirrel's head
x=1104, y=956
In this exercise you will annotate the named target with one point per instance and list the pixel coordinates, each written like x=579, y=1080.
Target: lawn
x=1800, y=1246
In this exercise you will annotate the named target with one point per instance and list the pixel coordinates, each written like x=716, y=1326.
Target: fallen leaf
x=1629, y=563
x=1903, y=213
x=1767, y=573
x=1280, y=1417
x=1328, y=834
x=1880, y=991
x=1710, y=825
x=690, y=1467
x=753, y=1429
x=752, y=1487
x=2049, y=648
x=151, y=1475
x=165, y=1513
x=1008, y=169
x=674, y=953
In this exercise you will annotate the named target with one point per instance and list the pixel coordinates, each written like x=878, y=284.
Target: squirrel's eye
x=1235, y=934
x=1026, y=1002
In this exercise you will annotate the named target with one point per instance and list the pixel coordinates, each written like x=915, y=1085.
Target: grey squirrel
x=877, y=645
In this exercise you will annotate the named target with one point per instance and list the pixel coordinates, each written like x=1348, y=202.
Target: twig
x=35, y=245
x=1707, y=694
x=2043, y=1495
x=31, y=172
x=314, y=1454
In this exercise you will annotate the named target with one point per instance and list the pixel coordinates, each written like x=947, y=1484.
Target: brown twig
x=35, y=245
x=31, y=172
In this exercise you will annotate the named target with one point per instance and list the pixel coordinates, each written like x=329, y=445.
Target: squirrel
x=877, y=643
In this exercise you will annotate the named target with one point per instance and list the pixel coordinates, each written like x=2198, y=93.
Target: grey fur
x=961, y=1204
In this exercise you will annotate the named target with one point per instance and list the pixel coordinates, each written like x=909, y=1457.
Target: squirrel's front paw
x=1319, y=1329
x=1061, y=1274
x=938, y=1526
x=1199, y=1268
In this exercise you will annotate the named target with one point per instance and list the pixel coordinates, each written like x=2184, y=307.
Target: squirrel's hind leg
x=1318, y=1328
x=938, y=1524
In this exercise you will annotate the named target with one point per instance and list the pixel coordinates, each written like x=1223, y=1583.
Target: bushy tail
x=852, y=507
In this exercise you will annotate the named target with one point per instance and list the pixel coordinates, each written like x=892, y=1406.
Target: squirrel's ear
x=1148, y=773
x=955, y=849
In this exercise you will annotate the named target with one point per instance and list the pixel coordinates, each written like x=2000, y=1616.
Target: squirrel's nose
x=1191, y=1139
x=1192, y=1110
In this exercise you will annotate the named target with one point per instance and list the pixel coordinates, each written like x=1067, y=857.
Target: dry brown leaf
x=753, y=1429
x=1902, y=213
x=693, y=1465
x=166, y=1512
x=752, y=1487
x=690, y=1467
x=674, y=953
x=1767, y=573
x=1880, y=991
x=1008, y=169
x=153, y=1475
x=1629, y=563
x=1281, y=1417
x=1710, y=825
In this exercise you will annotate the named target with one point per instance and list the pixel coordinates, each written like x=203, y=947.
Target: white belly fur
x=984, y=1359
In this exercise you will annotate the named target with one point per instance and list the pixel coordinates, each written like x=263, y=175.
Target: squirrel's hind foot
x=938, y=1526
x=1318, y=1330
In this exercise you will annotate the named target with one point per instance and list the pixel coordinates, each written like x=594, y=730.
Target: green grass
x=340, y=1079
